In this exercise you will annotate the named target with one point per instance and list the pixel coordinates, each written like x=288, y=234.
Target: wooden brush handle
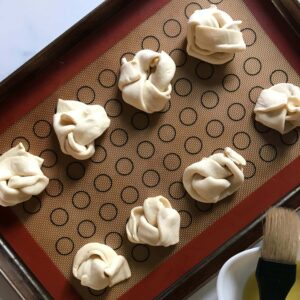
x=274, y=279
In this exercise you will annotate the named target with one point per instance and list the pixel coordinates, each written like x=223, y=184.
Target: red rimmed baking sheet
x=234, y=214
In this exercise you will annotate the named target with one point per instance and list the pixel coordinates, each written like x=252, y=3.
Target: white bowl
x=235, y=273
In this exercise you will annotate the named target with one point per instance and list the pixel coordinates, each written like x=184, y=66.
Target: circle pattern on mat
x=241, y=140
x=86, y=94
x=209, y=99
x=21, y=139
x=33, y=205
x=278, y=76
x=190, y=8
x=119, y=137
x=145, y=149
x=185, y=218
x=215, y=1
x=81, y=199
x=64, y=246
x=236, y=112
x=124, y=166
x=114, y=240
x=214, y=128
x=97, y=293
x=179, y=56
x=249, y=36
x=140, y=253
x=193, y=145
x=140, y=120
x=54, y=188
x=261, y=128
x=42, y=129
x=108, y=211
x=172, y=162
x=249, y=170
x=100, y=154
x=204, y=207
x=75, y=170
x=290, y=138
x=128, y=55
x=59, y=216
x=268, y=152
x=254, y=93
x=50, y=158
x=103, y=183
x=151, y=42
x=86, y=228
x=231, y=82
x=188, y=116
x=252, y=66
x=172, y=28
x=183, y=87
x=107, y=78
x=166, y=133
x=151, y=178
x=113, y=108
x=130, y=194
x=204, y=70
x=176, y=190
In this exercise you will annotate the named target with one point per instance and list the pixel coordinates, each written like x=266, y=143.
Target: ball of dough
x=77, y=125
x=215, y=177
x=278, y=107
x=98, y=266
x=20, y=176
x=213, y=36
x=155, y=223
x=145, y=80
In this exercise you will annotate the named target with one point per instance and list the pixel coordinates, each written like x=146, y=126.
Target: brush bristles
x=281, y=236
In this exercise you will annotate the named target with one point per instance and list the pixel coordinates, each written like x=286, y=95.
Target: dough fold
x=98, y=266
x=213, y=36
x=216, y=177
x=145, y=80
x=77, y=125
x=20, y=176
x=278, y=107
x=155, y=223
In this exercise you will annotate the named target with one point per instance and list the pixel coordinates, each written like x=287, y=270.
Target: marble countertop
x=26, y=27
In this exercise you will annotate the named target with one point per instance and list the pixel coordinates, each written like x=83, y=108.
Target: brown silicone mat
x=144, y=155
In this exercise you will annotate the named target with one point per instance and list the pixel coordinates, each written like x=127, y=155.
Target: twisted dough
x=20, y=176
x=98, y=266
x=145, y=81
x=216, y=177
x=278, y=107
x=155, y=223
x=77, y=125
x=213, y=36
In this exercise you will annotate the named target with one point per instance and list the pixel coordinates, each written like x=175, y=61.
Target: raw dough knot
x=216, y=177
x=155, y=223
x=145, y=80
x=213, y=36
x=20, y=176
x=77, y=125
x=98, y=266
x=278, y=107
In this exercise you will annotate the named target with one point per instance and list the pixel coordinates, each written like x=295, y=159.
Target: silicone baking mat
x=143, y=155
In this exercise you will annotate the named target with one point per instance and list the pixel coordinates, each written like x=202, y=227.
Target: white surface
x=28, y=26
x=235, y=273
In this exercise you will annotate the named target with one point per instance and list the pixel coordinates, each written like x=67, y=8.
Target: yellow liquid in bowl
x=251, y=288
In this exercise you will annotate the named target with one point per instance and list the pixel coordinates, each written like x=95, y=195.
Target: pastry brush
x=276, y=268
